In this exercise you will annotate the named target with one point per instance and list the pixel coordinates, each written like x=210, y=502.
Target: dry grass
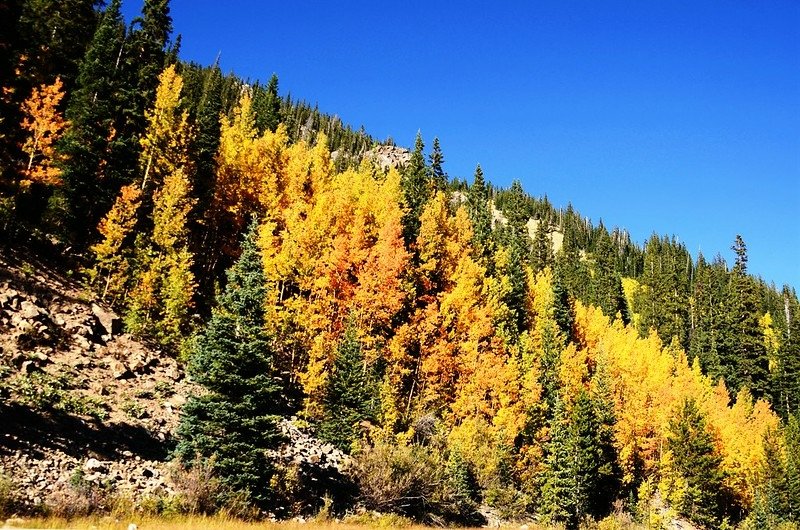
x=184, y=523
x=218, y=522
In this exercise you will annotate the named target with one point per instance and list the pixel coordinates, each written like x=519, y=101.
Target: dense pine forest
x=467, y=345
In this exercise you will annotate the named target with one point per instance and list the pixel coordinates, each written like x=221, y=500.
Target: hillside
x=301, y=319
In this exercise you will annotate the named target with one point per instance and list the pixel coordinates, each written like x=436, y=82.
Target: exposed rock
x=386, y=156
x=30, y=311
x=93, y=465
x=111, y=323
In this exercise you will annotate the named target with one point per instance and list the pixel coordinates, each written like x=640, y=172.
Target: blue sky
x=668, y=116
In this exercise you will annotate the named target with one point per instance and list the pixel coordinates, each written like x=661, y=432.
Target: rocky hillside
x=84, y=406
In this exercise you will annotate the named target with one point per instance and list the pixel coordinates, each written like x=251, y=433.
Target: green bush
x=41, y=391
x=8, y=496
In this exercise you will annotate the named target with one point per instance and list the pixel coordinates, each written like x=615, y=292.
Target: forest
x=466, y=344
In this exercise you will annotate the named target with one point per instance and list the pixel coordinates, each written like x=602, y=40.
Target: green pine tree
x=743, y=356
x=708, y=331
x=350, y=395
x=581, y=478
x=695, y=459
x=416, y=190
x=267, y=106
x=663, y=300
x=571, y=269
x=786, y=386
x=480, y=215
x=542, y=247
x=100, y=158
x=436, y=159
x=234, y=423
x=606, y=286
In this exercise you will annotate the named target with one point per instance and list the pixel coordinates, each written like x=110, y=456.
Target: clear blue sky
x=668, y=116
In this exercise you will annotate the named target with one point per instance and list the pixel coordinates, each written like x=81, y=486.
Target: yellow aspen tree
x=165, y=142
x=111, y=271
x=172, y=204
x=161, y=299
x=43, y=125
x=649, y=381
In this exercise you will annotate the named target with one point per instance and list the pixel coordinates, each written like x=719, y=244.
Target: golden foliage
x=44, y=125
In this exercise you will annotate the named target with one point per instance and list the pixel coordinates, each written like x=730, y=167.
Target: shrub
x=414, y=481
x=198, y=489
x=8, y=496
x=78, y=498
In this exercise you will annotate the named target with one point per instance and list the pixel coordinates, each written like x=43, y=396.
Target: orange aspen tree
x=44, y=125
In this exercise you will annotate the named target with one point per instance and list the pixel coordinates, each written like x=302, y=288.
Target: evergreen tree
x=696, y=461
x=234, y=423
x=606, y=286
x=771, y=497
x=542, y=248
x=147, y=57
x=580, y=478
x=10, y=45
x=56, y=35
x=416, y=190
x=438, y=176
x=204, y=151
x=791, y=443
x=571, y=269
x=663, y=300
x=267, y=106
x=786, y=386
x=560, y=493
x=99, y=158
x=350, y=394
x=514, y=237
x=479, y=214
x=708, y=330
x=743, y=356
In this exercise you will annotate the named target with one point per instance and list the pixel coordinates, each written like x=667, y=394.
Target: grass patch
x=219, y=522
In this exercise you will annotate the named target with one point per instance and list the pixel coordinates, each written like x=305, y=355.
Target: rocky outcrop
x=80, y=401
x=387, y=156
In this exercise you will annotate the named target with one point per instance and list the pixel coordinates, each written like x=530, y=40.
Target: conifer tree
x=697, y=462
x=56, y=34
x=147, y=57
x=267, y=106
x=479, y=214
x=786, y=387
x=542, y=247
x=744, y=356
x=436, y=160
x=792, y=467
x=708, y=330
x=663, y=300
x=99, y=158
x=350, y=394
x=606, y=286
x=416, y=190
x=233, y=425
x=514, y=236
x=571, y=269
x=580, y=478
x=10, y=45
